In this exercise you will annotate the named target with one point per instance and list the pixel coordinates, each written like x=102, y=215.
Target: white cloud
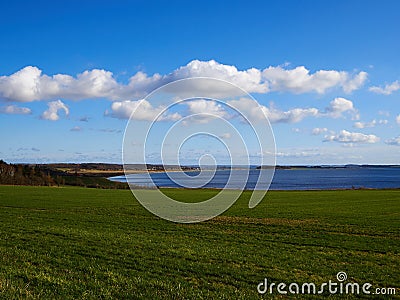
x=144, y=111
x=355, y=83
x=290, y=116
x=205, y=110
x=299, y=80
x=387, y=89
x=298, y=154
x=398, y=119
x=365, y=124
x=15, y=110
x=258, y=112
x=338, y=106
x=51, y=113
x=250, y=108
x=371, y=124
x=249, y=80
x=383, y=122
x=394, y=141
x=29, y=84
x=317, y=131
x=21, y=86
x=347, y=137
x=206, y=106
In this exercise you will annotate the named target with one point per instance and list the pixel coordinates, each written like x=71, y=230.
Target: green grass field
x=78, y=243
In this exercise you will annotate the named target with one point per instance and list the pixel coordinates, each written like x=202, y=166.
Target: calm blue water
x=291, y=179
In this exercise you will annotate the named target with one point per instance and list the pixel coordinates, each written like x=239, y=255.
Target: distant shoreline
x=100, y=175
x=110, y=170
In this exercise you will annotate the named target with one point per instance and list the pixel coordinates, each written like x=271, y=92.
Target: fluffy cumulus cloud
x=373, y=123
x=30, y=84
x=383, y=122
x=338, y=106
x=318, y=131
x=299, y=80
x=335, y=109
x=52, y=112
x=361, y=125
x=394, y=141
x=21, y=86
x=142, y=110
x=15, y=110
x=210, y=108
x=387, y=89
x=354, y=83
x=250, y=80
x=250, y=109
x=255, y=112
x=348, y=137
x=290, y=116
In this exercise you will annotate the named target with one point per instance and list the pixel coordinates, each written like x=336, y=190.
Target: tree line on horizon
x=20, y=174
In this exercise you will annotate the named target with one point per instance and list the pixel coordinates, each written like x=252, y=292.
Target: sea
x=283, y=179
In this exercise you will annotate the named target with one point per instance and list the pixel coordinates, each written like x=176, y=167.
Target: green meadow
x=81, y=243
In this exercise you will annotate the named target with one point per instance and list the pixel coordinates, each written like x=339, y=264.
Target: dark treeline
x=42, y=175
x=19, y=174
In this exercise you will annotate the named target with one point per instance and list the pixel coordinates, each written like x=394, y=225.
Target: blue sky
x=330, y=70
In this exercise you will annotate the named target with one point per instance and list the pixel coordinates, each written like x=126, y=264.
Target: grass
x=93, y=182
x=77, y=243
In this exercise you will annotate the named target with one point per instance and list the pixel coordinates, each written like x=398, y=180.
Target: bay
x=284, y=179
